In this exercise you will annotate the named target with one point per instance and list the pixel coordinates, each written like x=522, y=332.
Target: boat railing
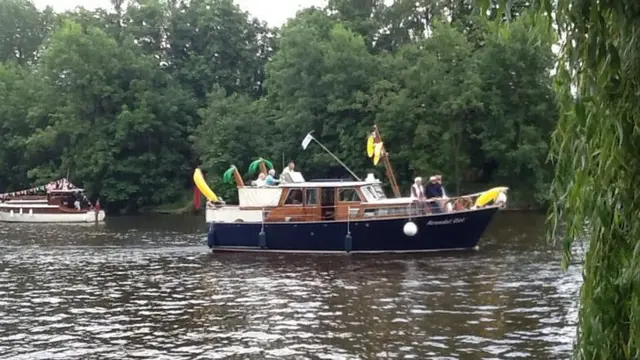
x=371, y=211
x=414, y=208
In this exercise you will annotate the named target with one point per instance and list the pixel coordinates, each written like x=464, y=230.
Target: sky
x=274, y=12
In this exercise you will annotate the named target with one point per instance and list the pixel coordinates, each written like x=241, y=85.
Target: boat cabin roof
x=273, y=196
x=295, y=179
x=65, y=191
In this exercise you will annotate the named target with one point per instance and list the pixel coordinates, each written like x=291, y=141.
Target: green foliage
x=595, y=150
x=23, y=30
x=254, y=167
x=130, y=101
x=227, y=177
x=234, y=130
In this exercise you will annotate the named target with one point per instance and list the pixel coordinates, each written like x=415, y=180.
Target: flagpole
x=335, y=157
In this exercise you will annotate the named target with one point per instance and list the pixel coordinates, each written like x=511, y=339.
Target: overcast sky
x=274, y=12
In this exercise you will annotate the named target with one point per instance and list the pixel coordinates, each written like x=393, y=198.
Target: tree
x=440, y=97
x=115, y=120
x=319, y=80
x=519, y=108
x=214, y=42
x=22, y=30
x=130, y=100
x=235, y=130
x=595, y=152
x=19, y=90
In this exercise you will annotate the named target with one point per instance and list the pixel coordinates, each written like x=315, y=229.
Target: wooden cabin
x=302, y=201
x=326, y=201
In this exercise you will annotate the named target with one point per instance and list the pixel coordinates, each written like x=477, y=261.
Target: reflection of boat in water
x=63, y=203
x=335, y=216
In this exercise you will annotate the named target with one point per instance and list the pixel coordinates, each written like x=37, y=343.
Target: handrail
x=373, y=205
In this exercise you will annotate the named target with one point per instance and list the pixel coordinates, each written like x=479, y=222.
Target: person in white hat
x=439, y=181
x=433, y=191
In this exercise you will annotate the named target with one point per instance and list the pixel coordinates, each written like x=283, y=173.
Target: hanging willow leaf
x=228, y=175
x=597, y=166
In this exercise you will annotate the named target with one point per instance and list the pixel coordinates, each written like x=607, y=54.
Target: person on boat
x=262, y=180
x=291, y=167
x=417, y=193
x=446, y=204
x=271, y=178
x=417, y=196
x=433, y=191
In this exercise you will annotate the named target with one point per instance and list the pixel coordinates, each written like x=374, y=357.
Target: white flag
x=305, y=142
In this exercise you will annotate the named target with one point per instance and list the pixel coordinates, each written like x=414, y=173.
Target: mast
x=387, y=165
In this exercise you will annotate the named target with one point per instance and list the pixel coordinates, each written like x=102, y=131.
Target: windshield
x=374, y=192
x=379, y=192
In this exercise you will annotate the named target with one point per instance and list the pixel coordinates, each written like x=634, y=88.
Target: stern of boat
x=230, y=214
x=91, y=216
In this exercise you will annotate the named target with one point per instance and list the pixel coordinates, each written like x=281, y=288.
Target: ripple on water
x=151, y=294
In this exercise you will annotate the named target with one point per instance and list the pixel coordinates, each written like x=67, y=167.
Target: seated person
x=446, y=204
x=289, y=168
x=262, y=180
x=271, y=178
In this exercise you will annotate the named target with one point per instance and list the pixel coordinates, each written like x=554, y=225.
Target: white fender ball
x=502, y=199
x=410, y=228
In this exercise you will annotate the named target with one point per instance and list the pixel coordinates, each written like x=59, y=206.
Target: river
x=148, y=288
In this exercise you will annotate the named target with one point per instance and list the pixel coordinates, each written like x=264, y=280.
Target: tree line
x=130, y=101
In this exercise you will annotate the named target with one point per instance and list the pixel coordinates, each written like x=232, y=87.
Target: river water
x=148, y=288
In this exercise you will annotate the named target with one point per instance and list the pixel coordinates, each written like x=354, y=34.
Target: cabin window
x=375, y=191
x=312, y=197
x=389, y=211
x=368, y=192
x=379, y=191
x=294, y=197
x=349, y=195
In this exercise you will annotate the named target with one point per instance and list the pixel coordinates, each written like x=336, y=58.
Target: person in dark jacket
x=433, y=191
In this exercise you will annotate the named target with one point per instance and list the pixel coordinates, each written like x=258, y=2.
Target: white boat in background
x=63, y=203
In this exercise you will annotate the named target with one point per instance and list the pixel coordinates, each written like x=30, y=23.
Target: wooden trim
x=381, y=218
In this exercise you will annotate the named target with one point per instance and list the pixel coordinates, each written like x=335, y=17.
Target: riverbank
x=171, y=210
x=181, y=206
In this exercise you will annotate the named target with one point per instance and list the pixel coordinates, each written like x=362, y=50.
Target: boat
x=343, y=216
x=62, y=202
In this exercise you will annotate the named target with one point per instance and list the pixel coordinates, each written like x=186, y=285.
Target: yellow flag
x=377, y=152
x=370, y=145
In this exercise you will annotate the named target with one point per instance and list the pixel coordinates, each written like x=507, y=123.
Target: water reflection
x=147, y=288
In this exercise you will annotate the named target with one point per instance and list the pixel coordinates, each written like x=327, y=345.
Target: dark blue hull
x=438, y=232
